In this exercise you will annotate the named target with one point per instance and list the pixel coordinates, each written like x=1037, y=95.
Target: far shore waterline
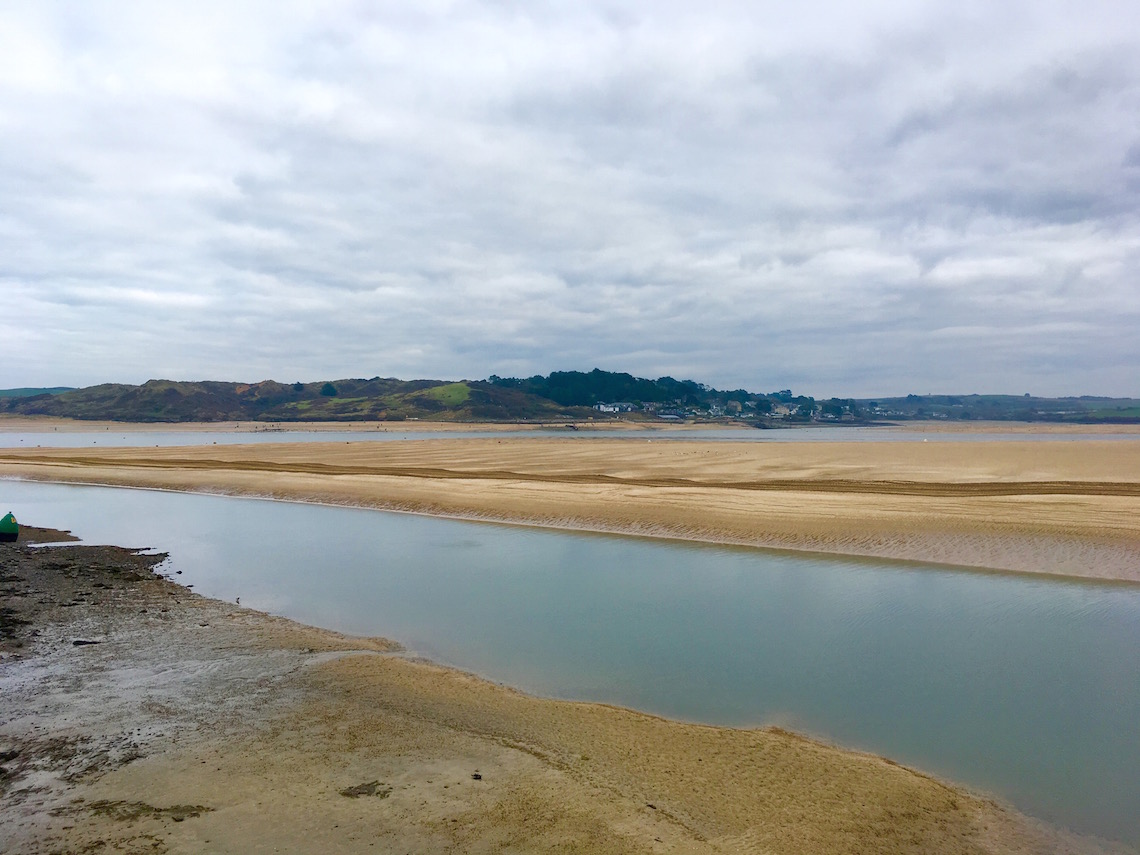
x=570, y=527
x=13, y=423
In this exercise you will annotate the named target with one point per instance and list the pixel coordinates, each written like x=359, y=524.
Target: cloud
x=757, y=196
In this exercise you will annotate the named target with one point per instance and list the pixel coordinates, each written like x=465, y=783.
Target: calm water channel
x=1027, y=688
x=108, y=437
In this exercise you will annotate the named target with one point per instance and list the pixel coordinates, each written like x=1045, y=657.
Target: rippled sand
x=1067, y=507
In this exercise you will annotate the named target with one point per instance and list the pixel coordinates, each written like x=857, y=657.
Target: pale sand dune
x=1066, y=508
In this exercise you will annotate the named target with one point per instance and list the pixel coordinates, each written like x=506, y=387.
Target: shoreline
x=913, y=563
x=34, y=424
x=204, y=725
x=1055, y=509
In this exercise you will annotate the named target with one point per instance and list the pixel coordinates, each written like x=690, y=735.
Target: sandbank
x=1004, y=427
x=1066, y=508
x=140, y=717
x=34, y=424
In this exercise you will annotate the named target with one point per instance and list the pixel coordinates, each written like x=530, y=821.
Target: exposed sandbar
x=48, y=424
x=1004, y=427
x=1064, y=507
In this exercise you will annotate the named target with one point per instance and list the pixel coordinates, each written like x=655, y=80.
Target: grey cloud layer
x=899, y=198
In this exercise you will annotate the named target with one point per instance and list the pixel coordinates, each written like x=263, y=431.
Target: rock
x=371, y=788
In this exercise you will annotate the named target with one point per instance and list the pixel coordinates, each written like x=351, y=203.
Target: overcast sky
x=842, y=198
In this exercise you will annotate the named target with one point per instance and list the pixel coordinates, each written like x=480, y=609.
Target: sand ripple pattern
x=1062, y=508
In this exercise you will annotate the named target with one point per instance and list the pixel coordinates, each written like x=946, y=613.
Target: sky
x=853, y=199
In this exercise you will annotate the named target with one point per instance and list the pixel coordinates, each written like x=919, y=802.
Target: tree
x=833, y=408
x=328, y=390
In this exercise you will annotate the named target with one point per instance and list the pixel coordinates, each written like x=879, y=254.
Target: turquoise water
x=1027, y=688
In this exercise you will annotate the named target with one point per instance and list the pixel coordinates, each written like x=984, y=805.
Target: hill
x=559, y=396
x=338, y=400
x=29, y=392
x=1086, y=409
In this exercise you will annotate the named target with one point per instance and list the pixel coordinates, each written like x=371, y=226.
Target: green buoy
x=9, y=528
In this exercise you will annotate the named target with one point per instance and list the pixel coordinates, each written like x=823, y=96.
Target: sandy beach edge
x=46, y=424
x=571, y=526
x=204, y=726
x=1065, y=509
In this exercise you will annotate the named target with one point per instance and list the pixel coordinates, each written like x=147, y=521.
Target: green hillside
x=1086, y=409
x=337, y=400
x=559, y=396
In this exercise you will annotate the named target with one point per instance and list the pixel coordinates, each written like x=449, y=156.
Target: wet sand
x=32, y=424
x=1067, y=507
x=1039, y=428
x=140, y=717
x=36, y=424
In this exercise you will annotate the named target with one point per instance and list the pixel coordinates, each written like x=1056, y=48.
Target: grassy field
x=451, y=395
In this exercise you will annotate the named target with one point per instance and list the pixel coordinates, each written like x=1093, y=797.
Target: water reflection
x=1029, y=688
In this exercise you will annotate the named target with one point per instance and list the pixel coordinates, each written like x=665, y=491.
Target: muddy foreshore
x=140, y=717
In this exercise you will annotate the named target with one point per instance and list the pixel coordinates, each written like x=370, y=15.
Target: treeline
x=1085, y=409
x=584, y=389
x=667, y=395
x=561, y=395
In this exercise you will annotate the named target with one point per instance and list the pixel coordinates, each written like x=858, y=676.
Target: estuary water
x=1026, y=688
x=107, y=437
